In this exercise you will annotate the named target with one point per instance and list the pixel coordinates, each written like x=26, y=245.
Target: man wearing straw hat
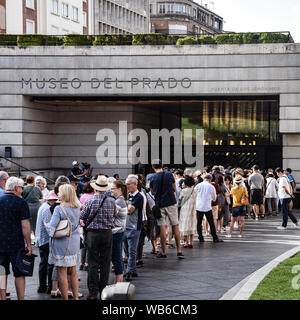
x=98, y=214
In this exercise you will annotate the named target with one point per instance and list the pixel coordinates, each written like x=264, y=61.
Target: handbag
x=25, y=264
x=244, y=199
x=156, y=209
x=63, y=229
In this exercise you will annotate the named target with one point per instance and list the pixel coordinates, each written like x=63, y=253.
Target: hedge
x=141, y=39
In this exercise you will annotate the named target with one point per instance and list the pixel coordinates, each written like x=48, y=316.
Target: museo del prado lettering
x=105, y=83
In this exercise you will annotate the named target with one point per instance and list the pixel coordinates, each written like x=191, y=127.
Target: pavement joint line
x=244, y=289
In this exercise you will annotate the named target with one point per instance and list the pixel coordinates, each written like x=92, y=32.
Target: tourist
x=256, y=182
x=188, y=217
x=292, y=181
x=119, y=191
x=271, y=194
x=153, y=228
x=3, y=178
x=223, y=205
x=64, y=251
x=14, y=232
x=215, y=204
x=42, y=184
x=164, y=188
x=285, y=194
x=88, y=193
x=134, y=221
x=178, y=181
x=42, y=242
x=98, y=215
x=32, y=195
x=206, y=194
x=238, y=193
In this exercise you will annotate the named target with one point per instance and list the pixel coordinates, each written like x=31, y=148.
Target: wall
x=2, y=16
x=14, y=16
x=227, y=70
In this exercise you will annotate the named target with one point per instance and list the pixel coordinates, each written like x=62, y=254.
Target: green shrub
x=249, y=38
x=78, y=40
x=30, y=40
x=207, y=40
x=8, y=39
x=273, y=38
x=172, y=39
x=148, y=39
x=232, y=38
x=53, y=41
x=187, y=40
x=112, y=40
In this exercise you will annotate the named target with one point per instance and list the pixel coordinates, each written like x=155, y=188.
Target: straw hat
x=101, y=184
x=238, y=180
x=51, y=196
x=239, y=171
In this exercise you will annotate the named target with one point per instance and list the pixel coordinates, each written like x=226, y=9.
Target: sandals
x=55, y=294
x=70, y=294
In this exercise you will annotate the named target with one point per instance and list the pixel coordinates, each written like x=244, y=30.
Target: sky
x=258, y=15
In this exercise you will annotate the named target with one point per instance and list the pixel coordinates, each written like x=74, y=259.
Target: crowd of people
x=108, y=220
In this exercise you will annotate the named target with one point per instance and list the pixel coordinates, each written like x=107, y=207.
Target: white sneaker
x=240, y=236
x=228, y=236
x=256, y=218
x=297, y=225
x=236, y=225
x=281, y=228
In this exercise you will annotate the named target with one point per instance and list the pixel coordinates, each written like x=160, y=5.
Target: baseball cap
x=74, y=162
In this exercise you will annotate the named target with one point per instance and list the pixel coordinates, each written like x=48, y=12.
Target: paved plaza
x=209, y=269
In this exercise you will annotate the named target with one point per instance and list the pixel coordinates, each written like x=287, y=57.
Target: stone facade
x=2, y=16
x=50, y=135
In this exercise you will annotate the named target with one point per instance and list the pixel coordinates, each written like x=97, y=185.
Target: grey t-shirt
x=120, y=219
x=256, y=180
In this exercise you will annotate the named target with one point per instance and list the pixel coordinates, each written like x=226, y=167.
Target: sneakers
x=180, y=255
x=240, y=236
x=228, y=236
x=92, y=296
x=256, y=219
x=218, y=240
x=161, y=256
x=128, y=276
x=281, y=228
x=134, y=274
x=297, y=225
x=236, y=225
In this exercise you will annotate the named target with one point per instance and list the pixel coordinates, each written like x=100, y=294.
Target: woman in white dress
x=188, y=216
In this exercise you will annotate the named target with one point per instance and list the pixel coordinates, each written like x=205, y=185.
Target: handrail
x=25, y=168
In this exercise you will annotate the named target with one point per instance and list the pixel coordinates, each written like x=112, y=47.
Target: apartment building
x=121, y=16
x=183, y=17
x=52, y=17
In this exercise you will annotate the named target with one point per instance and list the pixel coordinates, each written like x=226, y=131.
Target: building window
x=84, y=19
x=30, y=27
x=30, y=4
x=170, y=8
x=55, y=6
x=178, y=8
x=150, y=8
x=74, y=13
x=188, y=11
x=194, y=13
x=54, y=31
x=162, y=8
x=65, y=10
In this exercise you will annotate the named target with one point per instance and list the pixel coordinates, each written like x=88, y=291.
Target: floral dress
x=188, y=216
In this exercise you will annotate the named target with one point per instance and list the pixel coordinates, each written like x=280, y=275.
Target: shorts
x=239, y=211
x=256, y=196
x=5, y=259
x=215, y=212
x=169, y=216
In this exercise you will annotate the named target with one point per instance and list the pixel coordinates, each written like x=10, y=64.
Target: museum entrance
x=237, y=131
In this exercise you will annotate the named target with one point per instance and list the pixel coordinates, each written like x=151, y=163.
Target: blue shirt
x=13, y=210
x=2, y=191
x=134, y=220
x=41, y=234
x=166, y=196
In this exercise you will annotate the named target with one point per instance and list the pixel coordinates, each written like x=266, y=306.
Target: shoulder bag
x=64, y=229
x=93, y=217
x=156, y=209
x=244, y=199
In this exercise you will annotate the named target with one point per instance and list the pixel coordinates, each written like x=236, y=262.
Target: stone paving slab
x=208, y=271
